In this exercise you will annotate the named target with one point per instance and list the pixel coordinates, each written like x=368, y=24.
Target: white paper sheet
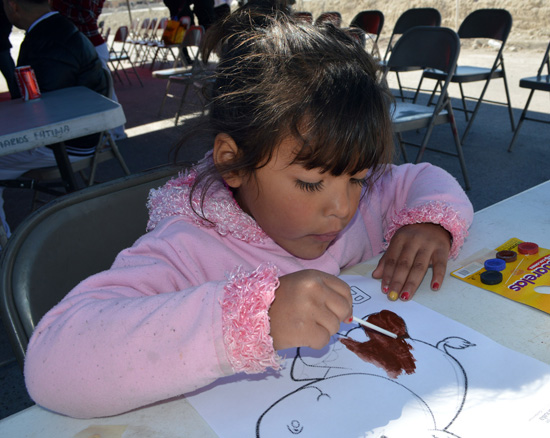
x=464, y=385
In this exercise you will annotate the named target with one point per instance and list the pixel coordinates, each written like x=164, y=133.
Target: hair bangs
x=346, y=125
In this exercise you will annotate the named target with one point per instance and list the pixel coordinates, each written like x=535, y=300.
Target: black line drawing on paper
x=356, y=387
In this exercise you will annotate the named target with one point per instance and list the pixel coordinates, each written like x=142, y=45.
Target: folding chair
x=194, y=75
x=539, y=82
x=66, y=241
x=137, y=32
x=118, y=54
x=371, y=22
x=168, y=49
x=154, y=40
x=105, y=150
x=494, y=24
x=304, y=16
x=333, y=17
x=141, y=45
x=407, y=20
x=426, y=47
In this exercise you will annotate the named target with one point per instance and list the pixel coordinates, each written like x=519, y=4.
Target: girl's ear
x=226, y=151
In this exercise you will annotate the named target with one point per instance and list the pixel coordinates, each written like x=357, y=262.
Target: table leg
x=3, y=237
x=64, y=165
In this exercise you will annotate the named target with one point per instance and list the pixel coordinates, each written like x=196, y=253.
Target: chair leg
x=181, y=103
x=459, y=148
x=164, y=97
x=475, y=111
x=137, y=74
x=464, y=103
x=117, y=153
x=93, y=168
x=400, y=87
x=402, y=147
x=508, y=100
x=520, y=122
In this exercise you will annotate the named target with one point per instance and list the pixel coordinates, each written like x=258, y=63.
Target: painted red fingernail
x=350, y=320
x=405, y=296
x=435, y=286
x=385, y=289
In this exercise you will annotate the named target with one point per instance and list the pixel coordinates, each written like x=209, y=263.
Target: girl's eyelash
x=309, y=187
x=362, y=182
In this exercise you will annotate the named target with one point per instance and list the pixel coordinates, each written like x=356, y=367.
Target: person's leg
x=103, y=54
x=204, y=10
x=14, y=165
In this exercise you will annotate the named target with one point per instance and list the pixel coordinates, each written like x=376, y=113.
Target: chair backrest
x=357, y=34
x=333, y=17
x=121, y=34
x=426, y=47
x=417, y=17
x=185, y=21
x=304, y=16
x=412, y=18
x=193, y=36
x=66, y=241
x=487, y=23
x=545, y=62
x=370, y=21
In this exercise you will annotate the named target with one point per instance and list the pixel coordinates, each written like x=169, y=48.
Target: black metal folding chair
x=333, y=17
x=493, y=24
x=540, y=82
x=371, y=22
x=197, y=75
x=407, y=20
x=426, y=47
x=118, y=54
x=304, y=16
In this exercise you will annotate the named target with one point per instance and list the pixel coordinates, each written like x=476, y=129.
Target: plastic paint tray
x=521, y=278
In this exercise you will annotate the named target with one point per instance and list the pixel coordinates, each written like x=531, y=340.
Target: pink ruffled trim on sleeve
x=435, y=212
x=248, y=297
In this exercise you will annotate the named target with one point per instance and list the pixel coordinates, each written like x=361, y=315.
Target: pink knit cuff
x=247, y=299
x=435, y=212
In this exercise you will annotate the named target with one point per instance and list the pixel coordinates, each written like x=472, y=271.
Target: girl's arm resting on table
x=116, y=344
x=427, y=218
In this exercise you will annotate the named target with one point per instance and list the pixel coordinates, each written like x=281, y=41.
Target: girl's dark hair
x=279, y=77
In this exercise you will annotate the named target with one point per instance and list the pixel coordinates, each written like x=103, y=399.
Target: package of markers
x=516, y=270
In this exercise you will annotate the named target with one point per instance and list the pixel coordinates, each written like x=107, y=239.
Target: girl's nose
x=339, y=204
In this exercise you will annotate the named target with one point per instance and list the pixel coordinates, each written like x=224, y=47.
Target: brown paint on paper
x=392, y=355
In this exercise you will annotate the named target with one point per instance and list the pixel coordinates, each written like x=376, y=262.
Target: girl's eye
x=360, y=182
x=309, y=187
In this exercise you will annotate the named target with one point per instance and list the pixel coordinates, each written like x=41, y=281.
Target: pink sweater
x=187, y=303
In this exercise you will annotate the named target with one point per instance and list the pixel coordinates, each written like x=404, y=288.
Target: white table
x=55, y=117
x=522, y=328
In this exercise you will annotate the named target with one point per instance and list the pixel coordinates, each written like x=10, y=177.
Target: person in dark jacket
x=61, y=57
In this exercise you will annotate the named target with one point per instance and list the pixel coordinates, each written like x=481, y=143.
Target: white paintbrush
x=374, y=327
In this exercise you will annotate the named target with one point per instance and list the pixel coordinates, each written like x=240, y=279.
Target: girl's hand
x=411, y=251
x=308, y=308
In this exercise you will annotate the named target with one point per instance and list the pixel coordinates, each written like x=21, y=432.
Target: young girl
x=243, y=250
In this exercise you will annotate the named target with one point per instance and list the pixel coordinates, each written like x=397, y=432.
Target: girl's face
x=301, y=210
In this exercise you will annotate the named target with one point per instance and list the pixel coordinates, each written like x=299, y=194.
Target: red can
x=26, y=79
